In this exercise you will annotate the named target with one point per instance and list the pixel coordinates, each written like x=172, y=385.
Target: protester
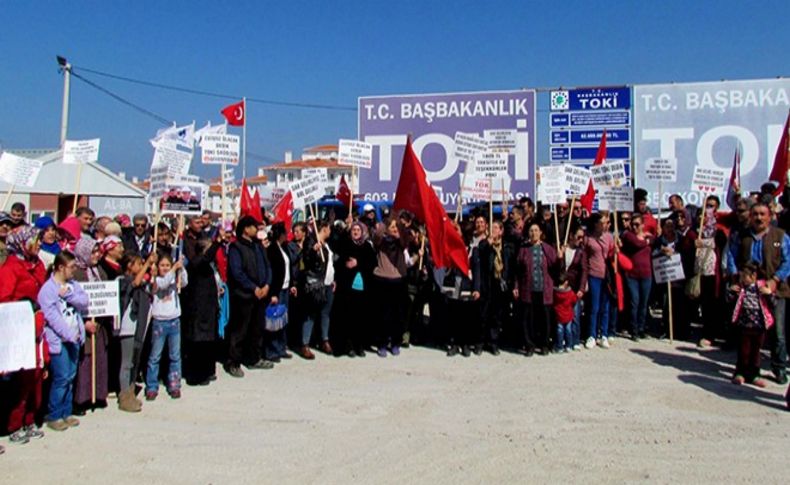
x=200, y=305
x=6, y=225
x=22, y=275
x=112, y=251
x=464, y=329
x=637, y=246
x=496, y=261
x=599, y=246
x=317, y=287
x=48, y=235
x=769, y=247
x=282, y=285
x=139, y=239
x=85, y=217
x=534, y=289
x=564, y=304
x=249, y=277
x=573, y=260
x=166, y=327
x=18, y=213
x=708, y=263
x=63, y=301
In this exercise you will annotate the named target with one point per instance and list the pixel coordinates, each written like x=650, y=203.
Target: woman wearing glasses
x=637, y=246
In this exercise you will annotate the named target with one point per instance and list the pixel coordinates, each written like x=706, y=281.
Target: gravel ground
x=645, y=412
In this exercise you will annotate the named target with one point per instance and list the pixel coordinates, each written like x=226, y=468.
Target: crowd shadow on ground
x=711, y=370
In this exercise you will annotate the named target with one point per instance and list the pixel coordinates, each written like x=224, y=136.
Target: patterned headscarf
x=110, y=243
x=83, y=250
x=364, y=229
x=18, y=241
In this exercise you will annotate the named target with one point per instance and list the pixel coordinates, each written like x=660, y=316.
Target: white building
x=321, y=156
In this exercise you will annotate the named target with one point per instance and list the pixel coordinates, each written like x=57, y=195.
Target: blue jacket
x=248, y=268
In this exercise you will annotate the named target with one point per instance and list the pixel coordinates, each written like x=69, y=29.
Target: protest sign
x=489, y=164
x=158, y=181
x=306, y=190
x=17, y=337
x=20, y=171
x=552, y=185
x=609, y=174
x=661, y=169
x=103, y=298
x=355, y=153
x=271, y=195
x=220, y=149
x=476, y=187
x=81, y=151
x=616, y=198
x=709, y=180
x=576, y=179
x=183, y=196
x=467, y=145
x=501, y=140
x=668, y=268
x=172, y=154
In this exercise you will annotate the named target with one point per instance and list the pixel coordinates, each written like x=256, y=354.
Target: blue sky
x=332, y=52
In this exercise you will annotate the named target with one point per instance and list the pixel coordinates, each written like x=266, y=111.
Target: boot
x=128, y=402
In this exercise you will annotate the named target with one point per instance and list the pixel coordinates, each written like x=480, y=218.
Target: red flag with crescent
x=234, y=114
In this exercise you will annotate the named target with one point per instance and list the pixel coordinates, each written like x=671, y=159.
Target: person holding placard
x=496, y=264
x=317, y=287
x=599, y=247
x=534, y=289
x=21, y=276
x=63, y=302
x=667, y=244
x=640, y=207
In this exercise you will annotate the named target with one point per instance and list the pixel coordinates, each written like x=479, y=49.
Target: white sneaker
x=590, y=343
x=577, y=347
x=605, y=343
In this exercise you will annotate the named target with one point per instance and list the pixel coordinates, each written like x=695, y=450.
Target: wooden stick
x=315, y=227
x=93, y=366
x=702, y=217
x=557, y=227
x=460, y=198
x=660, y=201
x=671, y=329
x=351, y=193
x=8, y=196
x=156, y=231
x=77, y=188
x=505, y=202
x=422, y=249
x=181, y=249
x=570, y=219
x=490, y=205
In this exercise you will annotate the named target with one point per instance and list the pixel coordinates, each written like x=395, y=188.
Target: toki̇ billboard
x=703, y=124
x=505, y=119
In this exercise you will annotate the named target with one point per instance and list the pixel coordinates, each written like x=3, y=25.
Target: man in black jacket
x=249, y=277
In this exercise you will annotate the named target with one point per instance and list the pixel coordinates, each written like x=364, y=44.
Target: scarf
x=109, y=243
x=83, y=250
x=18, y=242
x=364, y=237
x=499, y=265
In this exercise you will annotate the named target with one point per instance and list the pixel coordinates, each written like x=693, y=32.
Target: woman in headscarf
x=21, y=277
x=87, y=253
x=48, y=236
x=70, y=232
x=357, y=258
x=112, y=252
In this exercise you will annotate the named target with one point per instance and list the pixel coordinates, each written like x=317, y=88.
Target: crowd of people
x=198, y=291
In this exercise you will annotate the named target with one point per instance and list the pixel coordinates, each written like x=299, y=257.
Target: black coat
x=365, y=255
x=199, y=300
x=277, y=265
x=487, y=257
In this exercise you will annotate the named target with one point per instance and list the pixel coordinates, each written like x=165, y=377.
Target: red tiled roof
x=300, y=164
x=321, y=148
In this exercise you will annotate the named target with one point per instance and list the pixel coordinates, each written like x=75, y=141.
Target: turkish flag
x=235, y=114
x=250, y=205
x=781, y=162
x=415, y=195
x=283, y=212
x=600, y=157
x=343, y=192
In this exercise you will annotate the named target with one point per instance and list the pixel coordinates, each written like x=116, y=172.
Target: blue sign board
x=600, y=118
x=594, y=136
x=560, y=154
x=560, y=136
x=612, y=153
x=560, y=119
x=599, y=99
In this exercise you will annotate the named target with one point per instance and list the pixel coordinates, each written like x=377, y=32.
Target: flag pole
x=570, y=217
x=244, y=141
x=351, y=196
x=557, y=226
x=490, y=204
x=460, y=197
x=8, y=195
x=77, y=189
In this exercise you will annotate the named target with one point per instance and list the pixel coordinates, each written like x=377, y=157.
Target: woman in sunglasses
x=637, y=246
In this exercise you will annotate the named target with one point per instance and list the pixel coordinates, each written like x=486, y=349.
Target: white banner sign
x=552, y=185
x=668, y=269
x=661, y=169
x=17, y=337
x=220, y=149
x=271, y=195
x=306, y=190
x=158, y=181
x=576, y=179
x=608, y=174
x=81, y=151
x=616, y=198
x=169, y=155
x=501, y=140
x=476, y=187
x=20, y=171
x=710, y=180
x=183, y=196
x=467, y=145
x=103, y=298
x=490, y=164
x=355, y=153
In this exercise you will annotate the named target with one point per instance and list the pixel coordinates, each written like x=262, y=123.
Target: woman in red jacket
x=637, y=245
x=21, y=277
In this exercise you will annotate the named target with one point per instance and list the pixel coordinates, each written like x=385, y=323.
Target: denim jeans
x=599, y=307
x=164, y=331
x=779, y=347
x=275, y=342
x=564, y=337
x=577, y=322
x=323, y=314
x=639, y=289
x=64, y=369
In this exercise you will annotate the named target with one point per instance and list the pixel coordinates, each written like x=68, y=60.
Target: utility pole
x=65, y=67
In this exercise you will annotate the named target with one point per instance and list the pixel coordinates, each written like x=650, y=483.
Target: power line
x=200, y=92
x=120, y=99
